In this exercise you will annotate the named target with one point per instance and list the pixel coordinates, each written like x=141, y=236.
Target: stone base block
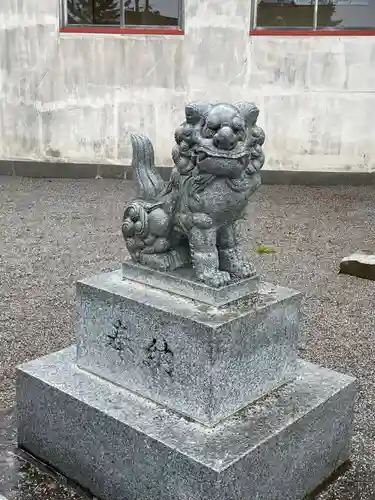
x=121, y=446
x=199, y=360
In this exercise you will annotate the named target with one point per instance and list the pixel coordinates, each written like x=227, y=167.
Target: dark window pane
x=89, y=12
x=287, y=14
x=80, y=12
x=151, y=12
x=346, y=14
x=107, y=12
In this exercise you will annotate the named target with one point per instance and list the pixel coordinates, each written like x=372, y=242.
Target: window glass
x=80, y=12
x=151, y=12
x=339, y=14
x=137, y=12
x=89, y=12
x=285, y=14
x=106, y=12
x=346, y=14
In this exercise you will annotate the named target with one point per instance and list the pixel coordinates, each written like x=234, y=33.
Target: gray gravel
x=55, y=232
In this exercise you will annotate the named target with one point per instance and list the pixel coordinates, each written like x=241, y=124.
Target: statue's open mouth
x=239, y=151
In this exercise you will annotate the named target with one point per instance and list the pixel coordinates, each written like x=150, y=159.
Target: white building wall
x=71, y=97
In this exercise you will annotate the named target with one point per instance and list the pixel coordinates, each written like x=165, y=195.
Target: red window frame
x=305, y=32
x=104, y=30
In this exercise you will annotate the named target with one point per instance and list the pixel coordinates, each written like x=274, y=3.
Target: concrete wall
x=71, y=97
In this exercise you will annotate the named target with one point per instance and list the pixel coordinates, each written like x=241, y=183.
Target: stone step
x=119, y=445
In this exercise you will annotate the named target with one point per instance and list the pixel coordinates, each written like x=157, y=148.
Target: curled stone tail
x=149, y=181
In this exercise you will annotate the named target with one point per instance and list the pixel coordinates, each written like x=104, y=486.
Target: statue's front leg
x=230, y=256
x=205, y=257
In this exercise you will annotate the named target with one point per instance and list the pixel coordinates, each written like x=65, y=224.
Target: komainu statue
x=191, y=220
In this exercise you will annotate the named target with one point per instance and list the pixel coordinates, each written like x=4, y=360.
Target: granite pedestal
x=121, y=446
x=172, y=397
x=202, y=361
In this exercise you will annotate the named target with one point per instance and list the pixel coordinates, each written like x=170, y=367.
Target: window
x=122, y=13
x=314, y=15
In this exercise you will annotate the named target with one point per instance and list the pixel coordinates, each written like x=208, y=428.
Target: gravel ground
x=55, y=232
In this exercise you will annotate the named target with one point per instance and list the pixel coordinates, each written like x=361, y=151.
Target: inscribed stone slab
x=201, y=361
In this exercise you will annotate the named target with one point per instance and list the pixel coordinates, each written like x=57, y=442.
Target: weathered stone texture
x=201, y=361
x=360, y=264
x=119, y=445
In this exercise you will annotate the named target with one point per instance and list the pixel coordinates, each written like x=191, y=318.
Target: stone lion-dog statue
x=192, y=219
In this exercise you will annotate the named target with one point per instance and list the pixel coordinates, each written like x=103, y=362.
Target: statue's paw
x=242, y=268
x=215, y=278
x=159, y=262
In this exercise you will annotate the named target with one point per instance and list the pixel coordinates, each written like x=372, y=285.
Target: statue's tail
x=148, y=179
